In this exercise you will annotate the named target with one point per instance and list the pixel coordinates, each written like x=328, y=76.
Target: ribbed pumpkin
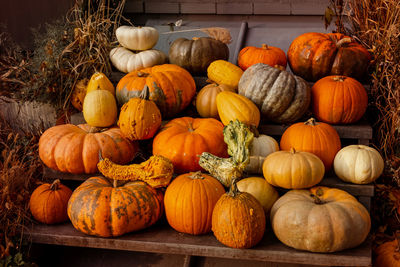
x=270, y=55
x=99, y=208
x=318, y=138
x=79, y=93
x=259, y=188
x=338, y=100
x=100, y=108
x=388, y=254
x=222, y=71
x=75, y=148
x=358, y=164
x=183, y=140
x=139, y=118
x=238, y=219
x=232, y=106
x=281, y=96
x=48, y=202
x=206, y=104
x=137, y=38
x=197, y=54
x=293, y=169
x=189, y=202
x=99, y=81
x=171, y=87
x=320, y=219
x=315, y=55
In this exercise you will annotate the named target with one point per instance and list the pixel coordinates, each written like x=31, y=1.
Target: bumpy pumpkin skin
x=358, y=164
x=388, y=254
x=318, y=138
x=74, y=149
x=224, y=72
x=48, y=203
x=338, y=100
x=238, y=220
x=189, y=202
x=171, y=87
x=316, y=55
x=206, y=104
x=183, y=140
x=197, y=54
x=334, y=223
x=281, y=96
x=97, y=208
x=270, y=55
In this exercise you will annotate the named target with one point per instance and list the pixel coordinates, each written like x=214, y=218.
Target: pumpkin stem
x=339, y=78
x=234, y=191
x=115, y=183
x=54, y=186
x=264, y=46
x=254, y=130
x=292, y=150
x=145, y=94
x=317, y=200
x=94, y=129
x=343, y=42
x=142, y=74
x=196, y=175
x=190, y=127
x=311, y=122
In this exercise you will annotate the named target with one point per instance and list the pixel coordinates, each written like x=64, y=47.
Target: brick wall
x=240, y=7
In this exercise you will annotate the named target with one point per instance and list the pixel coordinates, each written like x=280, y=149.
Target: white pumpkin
x=137, y=38
x=262, y=146
x=358, y=164
x=126, y=61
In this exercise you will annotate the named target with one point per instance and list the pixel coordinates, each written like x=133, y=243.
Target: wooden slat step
x=163, y=239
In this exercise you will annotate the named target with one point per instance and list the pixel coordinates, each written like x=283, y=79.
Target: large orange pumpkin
x=270, y=55
x=183, y=140
x=338, y=100
x=315, y=55
x=318, y=138
x=171, y=87
x=97, y=207
x=48, y=202
x=189, y=202
x=75, y=148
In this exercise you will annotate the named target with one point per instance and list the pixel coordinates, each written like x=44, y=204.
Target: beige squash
x=262, y=146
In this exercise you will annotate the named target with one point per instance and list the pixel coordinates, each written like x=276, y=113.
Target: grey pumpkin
x=197, y=54
x=281, y=96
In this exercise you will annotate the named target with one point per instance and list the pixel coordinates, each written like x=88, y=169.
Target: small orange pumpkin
x=338, y=100
x=388, y=254
x=189, y=202
x=206, y=104
x=318, y=138
x=48, y=203
x=139, y=118
x=270, y=55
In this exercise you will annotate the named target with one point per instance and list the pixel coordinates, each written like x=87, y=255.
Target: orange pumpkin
x=315, y=55
x=388, y=254
x=270, y=55
x=183, y=140
x=171, y=87
x=338, y=100
x=189, y=202
x=139, y=118
x=75, y=148
x=206, y=104
x=318, y=138
x=99, y=207
x=48, y=202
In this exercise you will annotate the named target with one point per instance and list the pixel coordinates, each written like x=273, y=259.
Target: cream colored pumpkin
x=265, y=193
x=126, y=61
x=137, y=38
x=99, y=81
x=100, y=108
x=358, y=164
x=262, y=146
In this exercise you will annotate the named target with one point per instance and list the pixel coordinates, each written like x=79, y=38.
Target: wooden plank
x=163, y=239
x=359, y=130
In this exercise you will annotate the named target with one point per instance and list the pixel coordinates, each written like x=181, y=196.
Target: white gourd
x=262, y=146
x=126, y=61
x=137, y=38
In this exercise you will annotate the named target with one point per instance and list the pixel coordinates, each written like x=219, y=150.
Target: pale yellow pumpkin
x=100, y=108
x=224, y=72
x=126, y=61
x=232, y=106
x=137, y=38
x=358, y=164
x=293, y=169
x=99, y=81
x=265, y=193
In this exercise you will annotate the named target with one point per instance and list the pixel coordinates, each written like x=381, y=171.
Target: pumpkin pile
x=219, y=174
